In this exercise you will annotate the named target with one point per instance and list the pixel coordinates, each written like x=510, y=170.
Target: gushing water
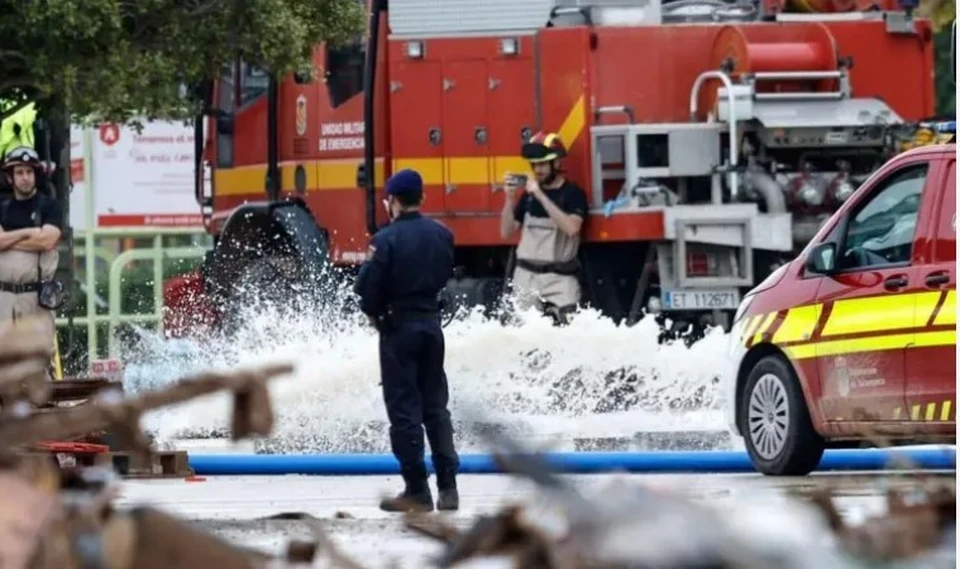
x=590, y=379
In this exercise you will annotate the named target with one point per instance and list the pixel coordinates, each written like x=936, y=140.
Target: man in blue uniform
x=409, y=263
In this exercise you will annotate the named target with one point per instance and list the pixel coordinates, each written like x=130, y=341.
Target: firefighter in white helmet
x=550, y=216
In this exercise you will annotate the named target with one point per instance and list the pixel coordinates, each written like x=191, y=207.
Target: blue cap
x=405, y=182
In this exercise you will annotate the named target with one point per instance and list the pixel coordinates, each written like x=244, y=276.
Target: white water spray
x=590, y=379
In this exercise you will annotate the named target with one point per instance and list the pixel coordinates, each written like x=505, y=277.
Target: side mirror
x=225, y=124
x=822, y=259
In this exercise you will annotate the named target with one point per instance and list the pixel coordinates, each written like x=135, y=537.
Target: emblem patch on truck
x=301, y=115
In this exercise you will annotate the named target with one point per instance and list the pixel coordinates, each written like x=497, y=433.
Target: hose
x=710, y=11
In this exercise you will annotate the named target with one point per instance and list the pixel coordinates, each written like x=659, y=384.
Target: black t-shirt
x=19, y=214
x=569, y=197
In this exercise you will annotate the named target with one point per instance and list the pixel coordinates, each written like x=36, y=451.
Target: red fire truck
x=713, y=139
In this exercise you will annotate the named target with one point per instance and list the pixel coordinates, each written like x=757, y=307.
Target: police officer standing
x=30, y=227
x=409, y=263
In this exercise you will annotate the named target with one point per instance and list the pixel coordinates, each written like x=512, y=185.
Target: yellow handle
x=57, y=365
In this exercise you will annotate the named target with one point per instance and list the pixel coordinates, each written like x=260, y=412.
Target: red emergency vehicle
x=712, y=140
x=856, y=337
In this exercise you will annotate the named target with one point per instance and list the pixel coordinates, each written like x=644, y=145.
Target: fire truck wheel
x=778, y=432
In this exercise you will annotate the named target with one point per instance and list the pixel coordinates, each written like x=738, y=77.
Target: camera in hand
x=518, y=180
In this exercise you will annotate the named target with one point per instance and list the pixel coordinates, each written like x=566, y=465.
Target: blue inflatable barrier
x=701, y=462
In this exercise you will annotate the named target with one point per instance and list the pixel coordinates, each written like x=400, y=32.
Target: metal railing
x=118, y=262
x=115, y=316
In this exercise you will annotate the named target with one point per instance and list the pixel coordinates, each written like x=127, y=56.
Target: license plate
x=700, y=299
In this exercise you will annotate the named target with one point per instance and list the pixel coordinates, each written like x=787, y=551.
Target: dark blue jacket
x=410, y=262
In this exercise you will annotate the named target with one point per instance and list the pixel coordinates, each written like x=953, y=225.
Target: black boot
x=448, y=499
x=447, y=496
x=416, y=496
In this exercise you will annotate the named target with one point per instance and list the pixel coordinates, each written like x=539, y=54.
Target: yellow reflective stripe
x=574, y=122
x=934, y=339
x=872, y=314
x=748, y=326
x=948, y=312
x=764, y=326
x=872, y=344
x=801, y=352
x=931, y=412
x=924, y=305
x=799, y=324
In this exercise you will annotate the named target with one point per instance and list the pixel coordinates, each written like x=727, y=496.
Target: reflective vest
x=12, y=137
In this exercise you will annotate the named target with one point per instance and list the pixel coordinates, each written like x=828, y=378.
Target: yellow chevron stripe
x=948, y=312
x=764, y=327
x=574, y=122
x=872, y=314
x=748, y=325
x=799, y=324
x=754, y=324
x=929, y=412
x=924, y=305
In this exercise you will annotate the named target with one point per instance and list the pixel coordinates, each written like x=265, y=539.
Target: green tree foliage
x=116, y=59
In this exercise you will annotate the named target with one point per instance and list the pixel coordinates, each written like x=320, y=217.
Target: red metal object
x=914, y=373
x=579, y=69
x=478, y=102
x=71, y=447
x=187, y=311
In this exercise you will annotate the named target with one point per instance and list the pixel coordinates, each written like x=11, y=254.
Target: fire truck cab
x=855, y=339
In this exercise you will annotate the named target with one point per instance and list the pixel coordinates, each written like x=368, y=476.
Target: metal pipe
x=89, y=236
x=198, y=161
x=273, y=168
x=155, y=253
x=369, y=82
x=734, y=151
x=625, y=109
x=771, y=191
x=830, y=96
x=137, y=231
x=772, y=75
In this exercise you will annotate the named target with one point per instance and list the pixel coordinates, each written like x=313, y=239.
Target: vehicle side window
x=947, y=222
x=344, y=71
x=881, y=231
x=253, y=83
x=225, y=98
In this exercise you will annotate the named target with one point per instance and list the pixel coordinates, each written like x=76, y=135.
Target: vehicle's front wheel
x=775, y=421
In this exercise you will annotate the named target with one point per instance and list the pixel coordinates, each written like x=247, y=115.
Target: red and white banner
x=139, y=180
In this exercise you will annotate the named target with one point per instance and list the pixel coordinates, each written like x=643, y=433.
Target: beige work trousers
x=541, y=241
x=533, y=289
x=20, y=267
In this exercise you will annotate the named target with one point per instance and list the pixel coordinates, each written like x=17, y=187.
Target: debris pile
x=62, y=518
x=53, y=517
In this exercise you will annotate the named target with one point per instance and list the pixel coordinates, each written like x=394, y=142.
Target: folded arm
x=39, y=239
x=8, y=239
